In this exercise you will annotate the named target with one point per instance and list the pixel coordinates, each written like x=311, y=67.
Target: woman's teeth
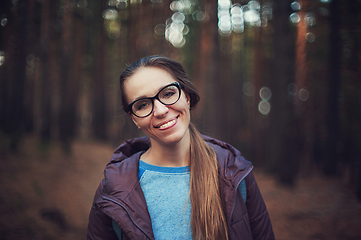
x=167, y=124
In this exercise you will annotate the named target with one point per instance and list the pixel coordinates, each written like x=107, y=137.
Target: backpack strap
x=243, y=190
x=117, y=230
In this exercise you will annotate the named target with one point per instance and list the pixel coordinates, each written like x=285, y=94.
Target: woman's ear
x=188, y=99
x=134, y=121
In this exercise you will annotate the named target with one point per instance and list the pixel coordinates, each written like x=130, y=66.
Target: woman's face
x=167, y=124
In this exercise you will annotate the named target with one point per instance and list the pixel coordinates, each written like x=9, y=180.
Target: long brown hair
x=207, y=216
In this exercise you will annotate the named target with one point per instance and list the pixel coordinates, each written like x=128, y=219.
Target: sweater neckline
x=155, y=168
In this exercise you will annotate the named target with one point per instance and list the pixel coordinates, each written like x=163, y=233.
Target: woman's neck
x=173, y=155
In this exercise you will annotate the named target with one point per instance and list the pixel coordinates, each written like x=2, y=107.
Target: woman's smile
x=167, y=124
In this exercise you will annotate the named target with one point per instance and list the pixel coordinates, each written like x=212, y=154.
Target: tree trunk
x=215, y=112
x=46, y=93
x=15, y=73
x=99, y=101
x=331, y=155
x=282, y=138
x=303, y=109
x=67, y=113
x=201, y=64
x=256, y=118
x=32, y=48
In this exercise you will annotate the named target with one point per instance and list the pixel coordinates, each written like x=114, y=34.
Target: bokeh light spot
x=237, y=18
x=265, y=93
x=224, y=17
x=310, y=37
x=251, y=16
x=224, y=4
x=114, y=33
x=2, y=58
x=114, y=29
x=181, y=6
x=254, y=5
x=110, y=14
x=292, y=89
x=185, y=30
x=122, y=4
x=295, y=18
x=267, y=10
x=3, y=22
x=251, y=13
x=174, y=34
x=310, y=19
x=264, y=107
x=303, y=94
x=296, y=6
x=178, y=17
x=30, y=60
x=199, y=16
x=159, y=29
x=248, y=89
x=112, y=3
x=236, y=10
x=224, y=24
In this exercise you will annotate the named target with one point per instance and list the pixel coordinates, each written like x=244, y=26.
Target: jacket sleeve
x=100, y=225
x=260, y=222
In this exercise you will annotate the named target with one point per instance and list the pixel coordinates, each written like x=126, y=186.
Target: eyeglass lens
x=168, y=95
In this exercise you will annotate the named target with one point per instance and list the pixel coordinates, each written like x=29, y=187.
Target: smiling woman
x=175, y=183
x=163, y=123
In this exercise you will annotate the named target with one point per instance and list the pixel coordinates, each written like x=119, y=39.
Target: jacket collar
x=121, y=173
x=232, y=166
x=121, y=186
x=129, y=148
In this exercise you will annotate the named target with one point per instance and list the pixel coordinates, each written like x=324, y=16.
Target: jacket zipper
x=130, y=216
x=234, y=199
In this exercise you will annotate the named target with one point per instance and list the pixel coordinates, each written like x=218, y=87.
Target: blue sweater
x=166, y=190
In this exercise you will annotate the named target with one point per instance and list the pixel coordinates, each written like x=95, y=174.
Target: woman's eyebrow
x=144, y=96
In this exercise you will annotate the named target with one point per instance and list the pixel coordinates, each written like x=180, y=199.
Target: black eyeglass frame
x=130, y=106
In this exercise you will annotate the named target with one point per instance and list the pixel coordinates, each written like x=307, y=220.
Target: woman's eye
x=168, y=94
x=141, y=106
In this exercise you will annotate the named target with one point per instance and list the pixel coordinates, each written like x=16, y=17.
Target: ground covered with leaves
x=47, y=194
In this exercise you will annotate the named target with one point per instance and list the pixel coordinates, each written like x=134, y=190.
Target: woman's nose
x=159, y=108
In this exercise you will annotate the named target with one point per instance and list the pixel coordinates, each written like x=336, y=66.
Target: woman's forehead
x=146, y=82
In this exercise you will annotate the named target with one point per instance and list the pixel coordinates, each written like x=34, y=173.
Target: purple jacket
x=120, y=197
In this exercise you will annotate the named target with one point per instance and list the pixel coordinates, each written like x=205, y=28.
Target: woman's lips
x=168, y=124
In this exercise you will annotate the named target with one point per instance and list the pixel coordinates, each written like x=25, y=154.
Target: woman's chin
x=172, y=138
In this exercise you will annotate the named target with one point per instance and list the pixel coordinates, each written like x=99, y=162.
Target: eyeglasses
x=168, y=95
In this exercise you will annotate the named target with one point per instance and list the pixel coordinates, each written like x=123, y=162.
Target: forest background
x=279, y=80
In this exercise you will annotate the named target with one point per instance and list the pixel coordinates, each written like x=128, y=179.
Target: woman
x=174, y=183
